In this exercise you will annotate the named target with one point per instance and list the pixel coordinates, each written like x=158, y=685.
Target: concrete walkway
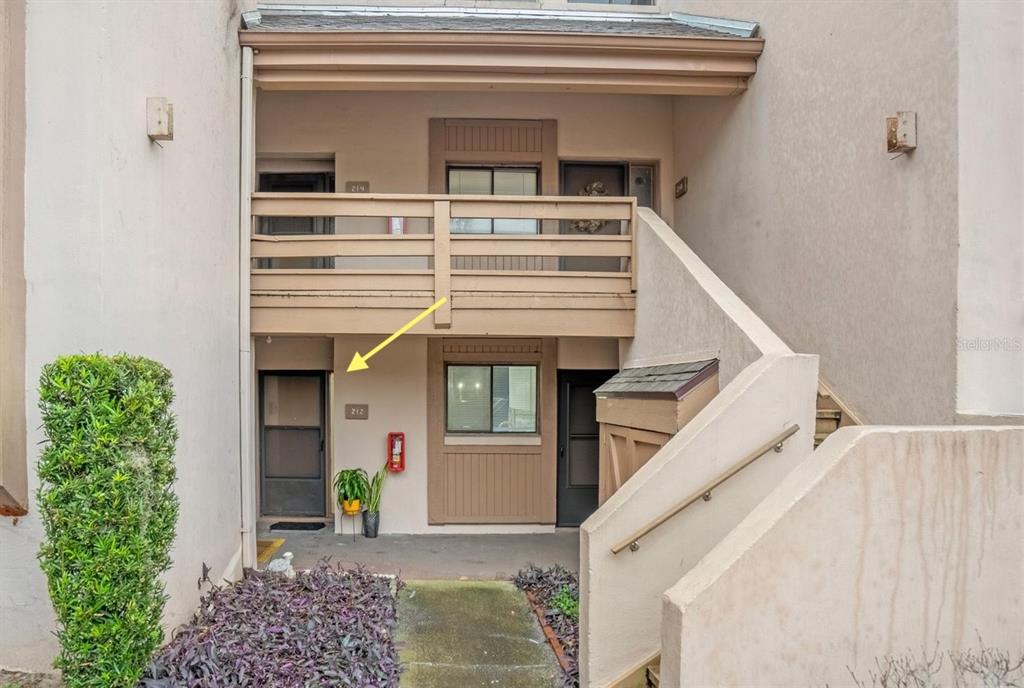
x=414, y=557
x=471, y=634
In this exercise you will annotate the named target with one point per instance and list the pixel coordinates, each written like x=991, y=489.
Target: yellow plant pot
x=350, y=507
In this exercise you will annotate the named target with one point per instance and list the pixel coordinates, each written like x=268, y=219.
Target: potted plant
x=351, y=485
x=371, y=517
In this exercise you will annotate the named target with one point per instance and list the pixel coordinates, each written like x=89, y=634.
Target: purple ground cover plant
x=329, y=626
x=546, y=585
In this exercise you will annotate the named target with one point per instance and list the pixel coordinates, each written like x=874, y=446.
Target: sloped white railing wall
x=684, y=312
x=890, y=540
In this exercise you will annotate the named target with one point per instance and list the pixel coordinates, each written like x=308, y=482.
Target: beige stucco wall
x=588, y=353
x=395, y=388
x=793, y=201
x=114, y=228
x=13, y=467
x=887, y=540
x=295, y=353
x=382, y=137
x=990, y=300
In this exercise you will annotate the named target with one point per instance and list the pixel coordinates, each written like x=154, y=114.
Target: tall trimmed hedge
x=106, y=502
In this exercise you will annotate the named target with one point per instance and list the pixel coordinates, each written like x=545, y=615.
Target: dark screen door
x=292, y=468
x=578, y=444
x=296, y=182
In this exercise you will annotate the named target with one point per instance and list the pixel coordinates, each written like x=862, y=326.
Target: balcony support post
x=634, y=228
x=442, y=263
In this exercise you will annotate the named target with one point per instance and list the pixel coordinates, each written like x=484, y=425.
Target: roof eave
x=748, y=47
x=506, y=61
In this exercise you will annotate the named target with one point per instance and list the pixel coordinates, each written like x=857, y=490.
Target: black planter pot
x=371, y=523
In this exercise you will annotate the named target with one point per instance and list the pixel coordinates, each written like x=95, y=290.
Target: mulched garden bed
x=329, y=626
x=555, y=594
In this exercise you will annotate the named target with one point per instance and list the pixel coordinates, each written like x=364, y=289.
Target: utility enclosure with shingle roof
x=640, y=409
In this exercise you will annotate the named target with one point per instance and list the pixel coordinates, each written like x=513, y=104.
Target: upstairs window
x=615, y=2
x=492, y=398
x=493, y=181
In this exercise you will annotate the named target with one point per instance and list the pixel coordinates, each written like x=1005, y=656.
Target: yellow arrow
x=359, y=362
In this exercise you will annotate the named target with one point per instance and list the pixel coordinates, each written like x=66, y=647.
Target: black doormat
x=296, y=525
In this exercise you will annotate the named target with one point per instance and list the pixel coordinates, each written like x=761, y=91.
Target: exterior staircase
x=831, y=414
x=826, y=421
x=653, y=674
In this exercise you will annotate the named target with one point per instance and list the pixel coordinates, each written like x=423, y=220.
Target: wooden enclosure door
x=624, y=451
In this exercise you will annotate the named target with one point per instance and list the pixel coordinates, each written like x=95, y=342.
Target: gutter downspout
x=246, y=371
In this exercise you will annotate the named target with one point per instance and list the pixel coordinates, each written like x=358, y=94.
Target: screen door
x=292, y=462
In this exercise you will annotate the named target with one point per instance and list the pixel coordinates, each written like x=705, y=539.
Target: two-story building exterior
x=693, y=191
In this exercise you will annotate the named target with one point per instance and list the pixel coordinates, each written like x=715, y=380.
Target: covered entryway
x=451, y=120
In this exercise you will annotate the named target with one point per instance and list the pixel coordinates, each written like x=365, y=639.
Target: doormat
x=265, y=549
x=296, y=525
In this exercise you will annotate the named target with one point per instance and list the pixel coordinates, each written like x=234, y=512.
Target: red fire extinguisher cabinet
x=396, y=452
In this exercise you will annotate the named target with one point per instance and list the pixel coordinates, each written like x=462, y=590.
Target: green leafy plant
x=351, y=484
x=108, y=510
x=376, y=487
x=567, y=603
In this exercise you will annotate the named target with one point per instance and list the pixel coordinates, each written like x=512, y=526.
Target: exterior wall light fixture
x=159, y=119
x=901, y=132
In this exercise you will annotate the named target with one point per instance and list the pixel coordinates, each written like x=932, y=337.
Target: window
x=485, y=398
x=617, y=2
x=492, y=181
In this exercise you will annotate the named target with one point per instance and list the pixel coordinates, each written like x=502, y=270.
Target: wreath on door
x=589, y=226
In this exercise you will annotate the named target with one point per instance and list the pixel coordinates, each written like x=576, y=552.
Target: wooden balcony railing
x=477, y=273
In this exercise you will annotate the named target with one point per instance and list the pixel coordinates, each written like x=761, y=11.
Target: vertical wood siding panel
x=476, y=489
x=522, y=470
x=516, y=485
x=507, y=503
x=490, y=484
x=452, y=484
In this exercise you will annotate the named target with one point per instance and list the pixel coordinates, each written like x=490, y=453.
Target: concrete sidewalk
x=435, y=557
x=471, y=634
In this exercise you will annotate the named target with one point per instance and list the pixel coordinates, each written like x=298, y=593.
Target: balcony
x=559, y=281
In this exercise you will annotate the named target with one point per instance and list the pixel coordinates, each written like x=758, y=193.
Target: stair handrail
x=632, y=543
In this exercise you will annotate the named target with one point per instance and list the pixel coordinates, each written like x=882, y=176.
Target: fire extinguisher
x=396, y=452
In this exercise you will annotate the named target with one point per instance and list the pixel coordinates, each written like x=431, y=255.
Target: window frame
x=490, y=407
x=492, y=168
x=609, y=3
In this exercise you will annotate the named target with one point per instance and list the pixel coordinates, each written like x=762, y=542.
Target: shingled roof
x=284, y=18
x=674, y=379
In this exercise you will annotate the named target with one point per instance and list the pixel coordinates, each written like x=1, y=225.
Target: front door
x=592, y=179
x=292, y=462
x=578, y=444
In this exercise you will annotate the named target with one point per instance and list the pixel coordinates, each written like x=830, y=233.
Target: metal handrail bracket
x=632, y=543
